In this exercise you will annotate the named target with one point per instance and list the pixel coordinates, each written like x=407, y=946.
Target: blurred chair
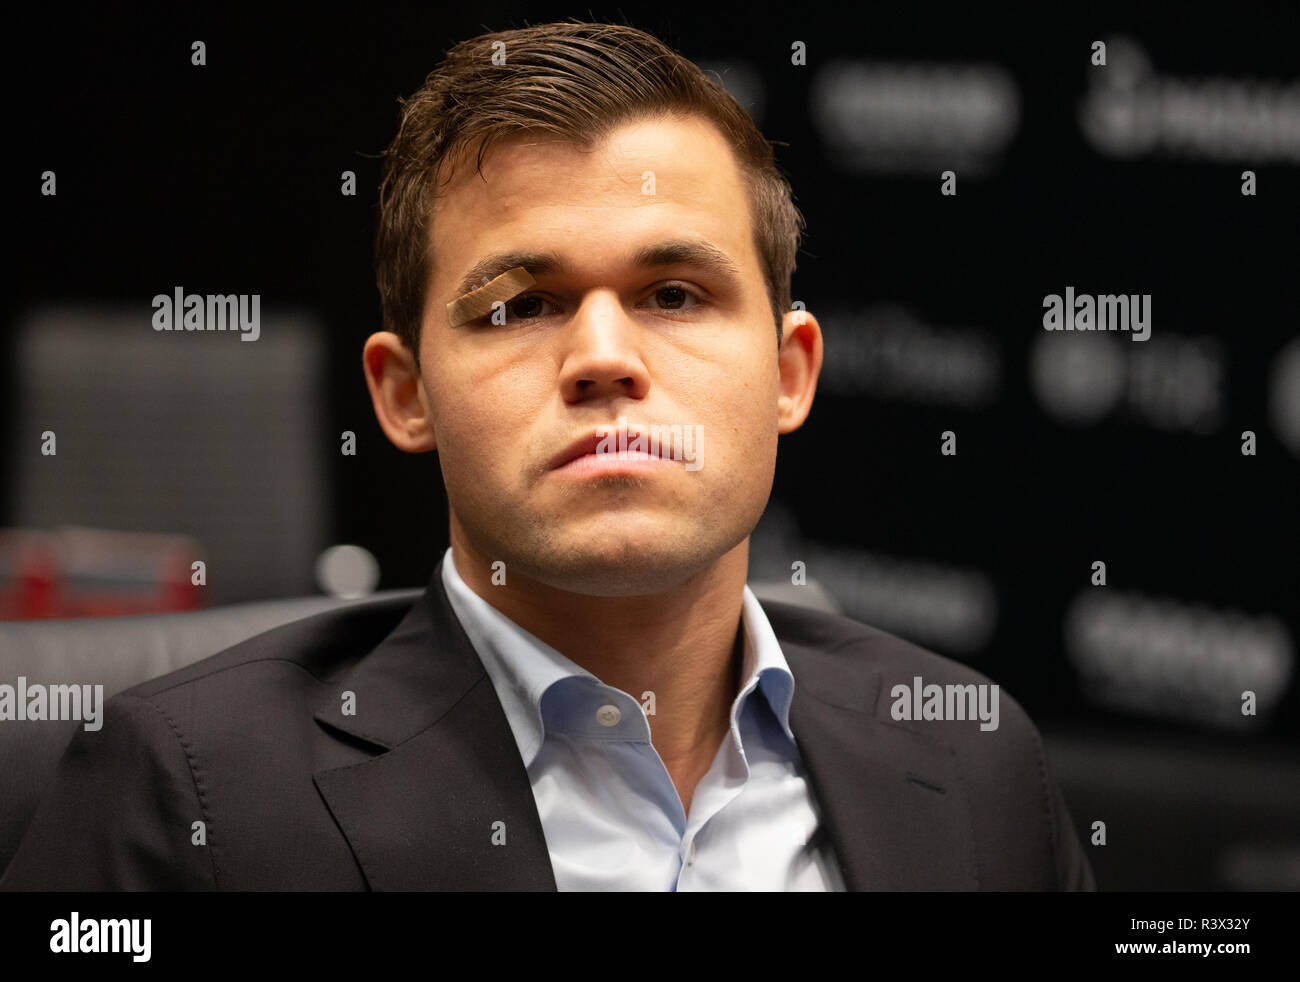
x=196, y=433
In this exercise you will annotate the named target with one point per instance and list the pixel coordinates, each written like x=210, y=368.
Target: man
x=584, y=258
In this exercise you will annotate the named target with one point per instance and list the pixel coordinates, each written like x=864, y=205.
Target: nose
x=602, y=352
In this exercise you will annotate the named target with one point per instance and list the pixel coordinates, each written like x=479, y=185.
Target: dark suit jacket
x=403, y=795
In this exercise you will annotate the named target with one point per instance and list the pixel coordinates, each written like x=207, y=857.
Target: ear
x=397, y=392
x=799, y=363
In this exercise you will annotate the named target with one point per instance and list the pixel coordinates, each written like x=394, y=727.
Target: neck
x=685, y=645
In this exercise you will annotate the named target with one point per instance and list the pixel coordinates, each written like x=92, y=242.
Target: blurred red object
x=28, y=575
x=82, y=572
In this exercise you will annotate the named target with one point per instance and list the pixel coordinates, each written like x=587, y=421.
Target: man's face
x=599, y=338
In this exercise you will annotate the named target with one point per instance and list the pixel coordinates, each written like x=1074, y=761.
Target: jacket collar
x=446, y=803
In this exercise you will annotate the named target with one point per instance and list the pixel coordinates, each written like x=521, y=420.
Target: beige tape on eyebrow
x=476, y=303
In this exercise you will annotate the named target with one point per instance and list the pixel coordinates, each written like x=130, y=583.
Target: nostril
x=586, y=383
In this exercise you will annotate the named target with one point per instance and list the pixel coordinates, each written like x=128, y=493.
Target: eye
x=525, y=307
x=521, y=308
x=675, y=296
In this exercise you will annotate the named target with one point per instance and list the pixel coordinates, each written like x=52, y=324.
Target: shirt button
x=691, y=858
x=608, y=715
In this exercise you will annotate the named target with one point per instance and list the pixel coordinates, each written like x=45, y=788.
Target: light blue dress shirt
x=611, y=814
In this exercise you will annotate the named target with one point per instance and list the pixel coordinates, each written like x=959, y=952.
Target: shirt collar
x=522, y=667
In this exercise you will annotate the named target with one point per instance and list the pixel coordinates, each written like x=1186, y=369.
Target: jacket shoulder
x=320, y=646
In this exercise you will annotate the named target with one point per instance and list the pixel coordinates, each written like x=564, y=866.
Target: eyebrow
x=673, y=252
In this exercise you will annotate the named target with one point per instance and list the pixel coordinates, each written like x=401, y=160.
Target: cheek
x=482, y=421
x=744, y=396
x=740, y=429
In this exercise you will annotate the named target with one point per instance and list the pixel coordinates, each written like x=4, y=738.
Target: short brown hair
x=579, y=81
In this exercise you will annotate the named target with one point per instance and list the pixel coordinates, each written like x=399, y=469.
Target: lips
x=589, y=444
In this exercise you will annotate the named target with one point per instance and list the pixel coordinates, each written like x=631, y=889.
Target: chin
x=624, y=565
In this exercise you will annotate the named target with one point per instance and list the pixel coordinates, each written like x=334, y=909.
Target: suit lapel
x=424, y=813
x=890, y=797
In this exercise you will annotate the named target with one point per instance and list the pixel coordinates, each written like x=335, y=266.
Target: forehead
x=647, y=180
